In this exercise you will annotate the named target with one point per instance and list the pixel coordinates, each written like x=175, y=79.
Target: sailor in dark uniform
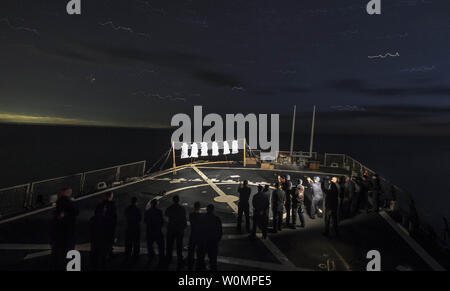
x=196, y=233
x=331, y=205
x=363, y=185
x=261, y=204
x=175, y=230
x=278, y=201
x=267, y=193
x=349, y=198
x=133, y=218
x=298, y=202
x=211, y=228
x=287, y=187
x=63, y=228
x=375, y=192
x=154, y=220
x=108, y=207
x=243, y=206
x=98, y=239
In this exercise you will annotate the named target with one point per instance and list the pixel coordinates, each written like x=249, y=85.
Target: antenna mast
x=292, y=133
x=312, y=131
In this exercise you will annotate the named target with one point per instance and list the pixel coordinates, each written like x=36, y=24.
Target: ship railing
x=334, y=161
x=13, y=199
x=303, y=159
x=38, y=194
x=298, y=154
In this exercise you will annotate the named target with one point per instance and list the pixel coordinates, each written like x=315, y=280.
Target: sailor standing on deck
x=278, y=201
x=339, y=183
x=154, y=220
x=317, y=195
x=175, y=230
x=364, y=193
x=261, y=204
x=287, y=187
x=63, y=228
x=133, y=218
x=98, y=239
x=349, y=198
x=243, y=206
x=266, y=195
x=211, y=228
x=375, y=192
x=195, y=237
x=298, y=201
x=108, y=207
x=331, y=205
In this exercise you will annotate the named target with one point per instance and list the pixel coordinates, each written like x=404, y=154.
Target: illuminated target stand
x=201, y=150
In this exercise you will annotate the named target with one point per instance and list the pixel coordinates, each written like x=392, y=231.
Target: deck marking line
x=277, y=253
x=37, y=255
x=217, y=189
x=346, y=265
x=272, y=170
x=234, y=236
x=9, y=247
x=259, y=264
x=224, y=225
x=47, y=252
x=412, y=243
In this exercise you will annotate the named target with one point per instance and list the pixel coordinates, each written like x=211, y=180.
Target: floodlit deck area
x=24, y=241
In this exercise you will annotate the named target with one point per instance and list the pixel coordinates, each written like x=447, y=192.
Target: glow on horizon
x=52, y=120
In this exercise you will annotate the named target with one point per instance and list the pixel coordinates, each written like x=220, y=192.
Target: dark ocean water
x=35, y=152
x=419, y=165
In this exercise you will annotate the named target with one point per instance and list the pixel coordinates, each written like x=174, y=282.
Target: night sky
x=137, y=63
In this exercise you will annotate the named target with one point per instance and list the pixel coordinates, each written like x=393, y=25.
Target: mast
x=292, y=133
x=245, y=154
x=312, y=131
x=173, y=157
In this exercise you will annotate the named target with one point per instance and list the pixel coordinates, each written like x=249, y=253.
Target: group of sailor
x=286, y=197
x=332, y=198
x=205, y=234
